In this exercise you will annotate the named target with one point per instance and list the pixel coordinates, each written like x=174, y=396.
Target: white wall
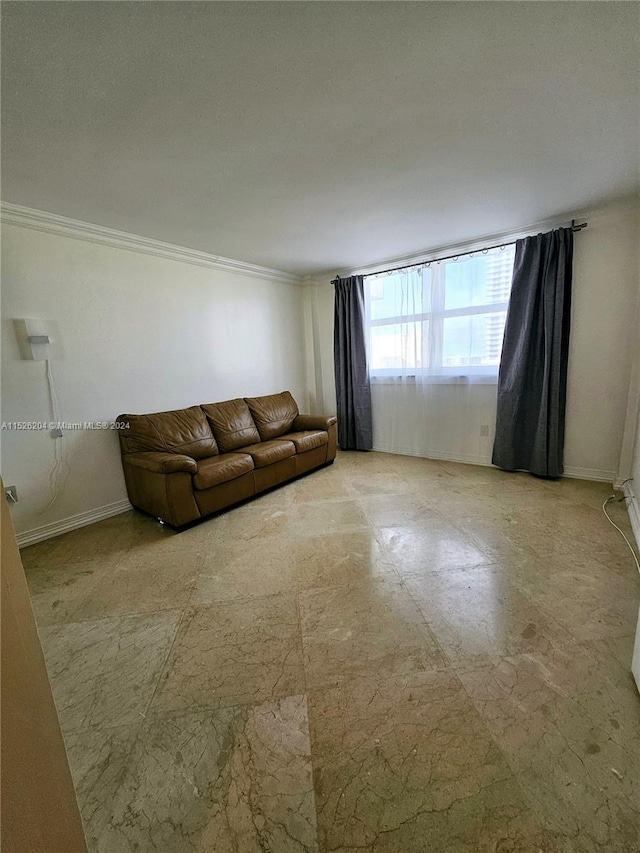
x=132, y=333
x=633, y=486
x=629, y=471
x=605, y=287
x=318, y=307
x=603, y=338
x=438, y=422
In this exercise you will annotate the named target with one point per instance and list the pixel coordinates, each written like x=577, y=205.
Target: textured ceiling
x=310, y=136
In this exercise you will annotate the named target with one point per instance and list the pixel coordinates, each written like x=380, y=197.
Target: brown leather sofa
x=186, y=464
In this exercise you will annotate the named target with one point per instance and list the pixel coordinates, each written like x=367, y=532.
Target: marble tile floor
x=391, y=654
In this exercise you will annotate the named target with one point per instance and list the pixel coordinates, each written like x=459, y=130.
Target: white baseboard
x=573, y=473
x=73, y=522
x=596, y=474
x=468, y=458
x=633, y=509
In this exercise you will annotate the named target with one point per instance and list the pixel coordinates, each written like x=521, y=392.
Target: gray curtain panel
x=532, y=382
x=353, y=391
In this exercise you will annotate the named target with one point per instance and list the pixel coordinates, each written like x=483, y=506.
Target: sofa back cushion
x=274, y=414
x=180, y=431
x=232, y=424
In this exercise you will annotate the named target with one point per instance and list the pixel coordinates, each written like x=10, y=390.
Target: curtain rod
x=482, y=250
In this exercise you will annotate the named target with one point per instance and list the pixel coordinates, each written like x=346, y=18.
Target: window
x=439, y=320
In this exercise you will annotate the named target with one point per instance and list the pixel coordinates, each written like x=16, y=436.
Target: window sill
x=434, y=380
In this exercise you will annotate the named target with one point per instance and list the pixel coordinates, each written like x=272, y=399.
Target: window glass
x=399, y=294
x=442, y=320
x=397, y=345
x=480, y=280
x=473, y=340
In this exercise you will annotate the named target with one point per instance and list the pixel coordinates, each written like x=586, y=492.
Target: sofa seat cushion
x=307, y=439
x=162, y=463
x=268, y=452
x=221, y=469
x=231, y=424
x=273, y=414
x=184, y=431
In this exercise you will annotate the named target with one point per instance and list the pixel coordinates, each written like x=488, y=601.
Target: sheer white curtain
x=434, y=336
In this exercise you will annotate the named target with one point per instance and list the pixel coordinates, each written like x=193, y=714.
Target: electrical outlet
x=484, y=430
x=11, y=494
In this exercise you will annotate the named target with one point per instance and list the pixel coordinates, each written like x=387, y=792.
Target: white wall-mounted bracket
x=33, y=339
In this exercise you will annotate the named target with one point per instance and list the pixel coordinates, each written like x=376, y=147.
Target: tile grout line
x=164, y=664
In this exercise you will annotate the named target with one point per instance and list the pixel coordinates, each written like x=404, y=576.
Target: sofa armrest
x=314, y=422
x=162, y=463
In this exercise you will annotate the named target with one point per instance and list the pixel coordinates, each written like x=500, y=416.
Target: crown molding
x=53, y=223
